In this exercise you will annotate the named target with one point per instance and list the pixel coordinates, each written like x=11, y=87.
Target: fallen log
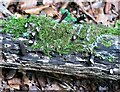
x=97, y=70
x=16, y=53
x=78, y=71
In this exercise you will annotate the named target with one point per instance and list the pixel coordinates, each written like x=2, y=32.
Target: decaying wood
x=75, y=70
x=97, y=70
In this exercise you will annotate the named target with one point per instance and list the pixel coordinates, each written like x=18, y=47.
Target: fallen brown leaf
x=50, y=11
x=35, y=10
x=14, y=81
x=54, y=86
x=107, y=7
x=25, y=4
x=15, y=87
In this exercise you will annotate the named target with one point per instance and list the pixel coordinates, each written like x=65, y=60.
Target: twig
x=90, y=3
x=4, y=10
x=63, y=17
x=36, y=77
x=83, y=10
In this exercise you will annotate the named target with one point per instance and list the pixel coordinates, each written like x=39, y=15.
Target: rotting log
x=97, y=70
x=75, y=70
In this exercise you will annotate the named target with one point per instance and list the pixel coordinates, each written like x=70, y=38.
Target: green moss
x=56, y=37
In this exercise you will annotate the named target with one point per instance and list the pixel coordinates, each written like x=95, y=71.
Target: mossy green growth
x=51, y=36
x=117, y=24
x=62, y=38
x=14, y=26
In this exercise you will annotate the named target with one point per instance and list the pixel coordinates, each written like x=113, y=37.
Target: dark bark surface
x=12, y=58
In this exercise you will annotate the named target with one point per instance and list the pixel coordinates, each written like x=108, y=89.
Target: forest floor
x=106, y=13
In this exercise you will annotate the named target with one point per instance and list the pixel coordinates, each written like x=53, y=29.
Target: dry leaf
x=26, y=79
x=95, y=5
x=18, y=15
x=54, y=86
x=50, y=11
x=14, y=81
x=25, y=4
x=107, y=7
x=35, y=10
x=15, y=87
x=48, y=1
x=42, y=82
x=32, y=87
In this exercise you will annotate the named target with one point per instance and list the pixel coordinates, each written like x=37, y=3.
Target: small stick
x=90, y=3
x=63, y=17
x=83, y=10
x=4, y=10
